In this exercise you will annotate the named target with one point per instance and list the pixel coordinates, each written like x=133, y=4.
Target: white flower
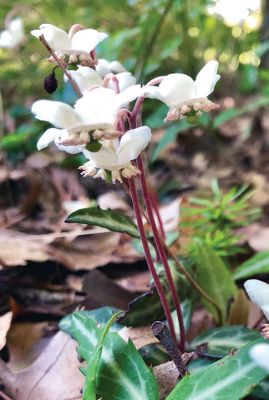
x=70, y=135
x=125, y=80
x=104, y=67
x=258, y=293
x=100, y=107
x=13, y=36
x=87, y=78
x=183, y=95
x=82, y=42
x=116, y=155
x=260, y=354
x=96, y=110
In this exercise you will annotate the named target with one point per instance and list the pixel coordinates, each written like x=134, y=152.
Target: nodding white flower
x=97, y=110
x=116, y=155
x=104, y=67
x=258, y=292
x=183, y=95
x=87, y=78
x=14, y=35
x=68, y=134
x=82, y=42
x=99, y=107
x=260, y=354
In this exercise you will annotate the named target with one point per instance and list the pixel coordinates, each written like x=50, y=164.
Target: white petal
x=48, y=136
x=104, y=158
x=56, y=37
x=98, y=108
x=258, y=293
x=86, y=40
x=16, y=26
x=116, y=67
x=260, y=354
x=7, y=41
x=14, y=35
x=64, y=135
x=125, y=79
x=102, y=67
x=132, y=143
x=128, y=95
x=58, y=114
x=206, y=79
x=86, y=78
x=175, y=89
x=152, y=92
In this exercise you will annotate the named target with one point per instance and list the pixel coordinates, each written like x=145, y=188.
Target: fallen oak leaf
x=54, y=375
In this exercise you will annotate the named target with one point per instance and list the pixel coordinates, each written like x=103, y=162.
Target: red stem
x=154, y=202
x=150, y=263
x=161, y=251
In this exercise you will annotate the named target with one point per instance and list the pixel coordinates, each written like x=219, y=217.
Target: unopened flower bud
x=50, y=82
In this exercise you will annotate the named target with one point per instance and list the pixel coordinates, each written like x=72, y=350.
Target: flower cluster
x=99, y=124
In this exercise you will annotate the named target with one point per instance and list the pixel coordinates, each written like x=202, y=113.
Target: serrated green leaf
x=214, y=277
x=90, y=388
x=109, y=219
x=102, y=315
x=259, y=264
x=233, y=377
x=220, y=341
x=121, y=373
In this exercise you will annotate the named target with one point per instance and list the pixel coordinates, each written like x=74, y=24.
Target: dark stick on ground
x=161, y=332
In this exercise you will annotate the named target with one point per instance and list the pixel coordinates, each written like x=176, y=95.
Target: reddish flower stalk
x=150, y=263
x=157, y=239
x=154, y=202
x=161, y=251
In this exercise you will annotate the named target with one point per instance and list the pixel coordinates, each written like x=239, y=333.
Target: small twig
x=161, y=332
x=61, y=64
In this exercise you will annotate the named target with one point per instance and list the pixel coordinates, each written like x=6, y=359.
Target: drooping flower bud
x=50, y=82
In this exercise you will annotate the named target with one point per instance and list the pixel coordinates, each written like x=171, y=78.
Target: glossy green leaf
x=102, y=315
x=121, y=372
x=90, y=387
x=233, y=377
x=214, y=277
x=154, y=354
x=109, y=219
x=220, y=341
x=259, y=264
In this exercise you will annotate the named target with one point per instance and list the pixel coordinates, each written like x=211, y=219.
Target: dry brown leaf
x=256, y=235
x=25, y=342
x=17, y=248
x=140, y=336
x=167, y=376
x=239, y=309
x=170, y=214
x=114, y=201
x=5, y=322
x=54, y=375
